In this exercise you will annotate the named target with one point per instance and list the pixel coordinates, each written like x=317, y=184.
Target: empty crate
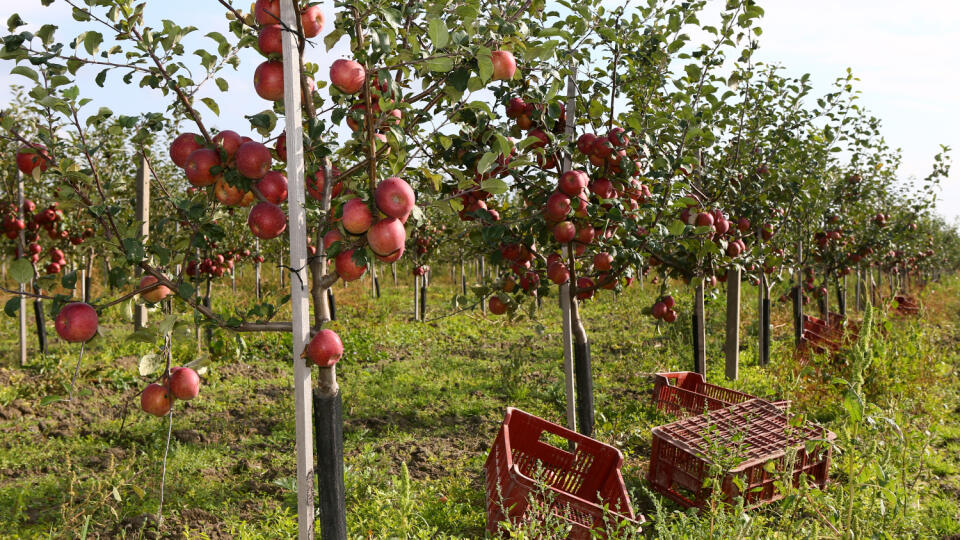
x=531, y=454
x=758, y=434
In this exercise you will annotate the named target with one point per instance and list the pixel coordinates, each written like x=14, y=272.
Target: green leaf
x=485, y=161
x=222, y=84
x=69, y=280
x=13, y=22
x=134, y=249
x=495, y=186
x=186, y=290
x=438, y=33
x=92, y=41
x=21, y=270
x=26, y=72
x=150, y=364
x=441, y=65
x=166, y=325
x=212, y=105
x=12, y=306
x=484, y=63
x=332, y=38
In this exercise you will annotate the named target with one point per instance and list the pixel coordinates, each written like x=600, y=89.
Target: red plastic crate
x=679, y=463
x=686, y=392
x=906, y=305
x=580, y=482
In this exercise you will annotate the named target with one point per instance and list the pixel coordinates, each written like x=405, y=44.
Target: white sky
x=906, y=54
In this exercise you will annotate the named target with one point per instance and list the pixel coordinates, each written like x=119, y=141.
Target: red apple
x=253, y=160
x=564, y=232
x=585, y=143
x=77, y=322
x=273, y=187
x=585, y=234
x=504, y=65
x=182, y=147
x=268, y=80
x=587, y=285
x=572, y=182
x=331, y=237
x=156, y=399
x=184, y=383
x=267, y=220
x=346, y=268
x=155, y=294
x=357, y=217
x=386, y=236
x=227, y=194
x=270, y=39
x=229, y=141
x=315, y=185
x=704, y=219
x=312, y=20
x=670, y=316
x=557, y=207
x=558, y=273
x=325, y=349
x=603, y=188
x=199, y=165
x=267, y=11
x=29, y=158
x=395, y=198
x=497, y=306
x=602, y=261
x=347, y=75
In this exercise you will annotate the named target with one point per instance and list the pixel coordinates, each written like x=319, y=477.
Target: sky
x=906, y=55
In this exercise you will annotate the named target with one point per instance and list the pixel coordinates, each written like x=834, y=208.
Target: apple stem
x=76, y=371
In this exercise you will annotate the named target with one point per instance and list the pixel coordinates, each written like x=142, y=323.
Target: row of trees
x=569, y=146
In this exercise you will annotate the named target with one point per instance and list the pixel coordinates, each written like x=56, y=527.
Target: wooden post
x=463, y=275
x=299, y=293
x=143, y=217
x=481, y=271
x=88, y=277
x=424, y=283
x=569, y=367
x=22, y=288
x=798, y=298
x=699, y=332
x=416, y=297
x=733, y=324
x=761, y=329
x=257, y=271
x=393, y=268
x=842, y=297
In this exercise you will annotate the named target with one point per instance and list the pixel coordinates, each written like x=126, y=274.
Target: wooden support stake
x=699, y=332
x=798, y=298
x=299, y=286
x=569, y=380
x=733, y=324
x=257, y=271
x=143, y=217
x=21, y=245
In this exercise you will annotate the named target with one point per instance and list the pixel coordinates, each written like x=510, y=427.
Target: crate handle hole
x=556, y=441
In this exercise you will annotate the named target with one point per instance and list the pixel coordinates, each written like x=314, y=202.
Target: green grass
x=423, y=402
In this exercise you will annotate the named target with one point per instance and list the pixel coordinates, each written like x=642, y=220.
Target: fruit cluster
x=157, y=398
